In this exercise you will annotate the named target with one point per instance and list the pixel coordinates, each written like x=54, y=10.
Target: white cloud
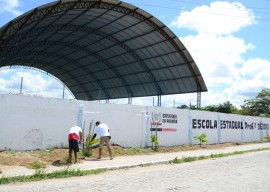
x=256, y=69
x=219, y=18
x=2, y=83
x=217, y=57
x=219, y=54
x=4, y=71
x=33, y=83
x=246, y=82
x=10, y=6
x=254, y=76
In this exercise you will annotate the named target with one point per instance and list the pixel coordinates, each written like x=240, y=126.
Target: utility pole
x=21, y=85
x=63, y=91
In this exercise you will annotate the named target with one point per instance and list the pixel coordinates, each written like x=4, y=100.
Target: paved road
x=241, y=173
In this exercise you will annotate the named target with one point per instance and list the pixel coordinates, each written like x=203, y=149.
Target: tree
x=260, y=106
x=183, y=107
x=225, y=107
x=190, y=106
x=212, y=108
x=264, y=101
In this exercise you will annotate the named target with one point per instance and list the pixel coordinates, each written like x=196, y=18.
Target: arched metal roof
x=101, y=49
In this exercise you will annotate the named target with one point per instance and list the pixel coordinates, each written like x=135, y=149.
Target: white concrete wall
x=28, y=122
x=126, y=122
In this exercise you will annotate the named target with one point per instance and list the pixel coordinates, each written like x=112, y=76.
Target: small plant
x=0, y=171
x=39, y=172
x=267, y=137
x=87, y=152
x=201, y=138
x=155, y=141
x=38, y=165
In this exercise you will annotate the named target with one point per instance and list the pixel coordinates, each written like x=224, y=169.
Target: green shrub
x=87, y=152
x=201, y=138
x=154, y=140
x=38, y=165
x=267, y=137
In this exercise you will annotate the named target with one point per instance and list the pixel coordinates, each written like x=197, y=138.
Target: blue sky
x=229, y=41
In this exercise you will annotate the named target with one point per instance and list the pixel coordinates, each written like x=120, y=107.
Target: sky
x=229, y=41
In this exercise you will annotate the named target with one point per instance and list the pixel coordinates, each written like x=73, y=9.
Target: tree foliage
x=190, y=106
x=259, y=106
x=267, y=137
x=225, y=107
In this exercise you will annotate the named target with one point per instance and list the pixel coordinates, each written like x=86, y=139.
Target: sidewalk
x=130, y=161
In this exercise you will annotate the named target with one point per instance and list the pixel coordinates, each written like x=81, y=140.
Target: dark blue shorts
x=73, y=145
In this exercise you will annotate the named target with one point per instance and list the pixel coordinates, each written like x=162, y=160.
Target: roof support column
x=99, y=94
x=129, y=98
x=199, y=100
x=159, y=101
x=159, y=98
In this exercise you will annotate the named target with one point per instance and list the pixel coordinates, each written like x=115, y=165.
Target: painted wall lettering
x=262, y=126
x=226, y=124
x=204, y=124
x=169, y=118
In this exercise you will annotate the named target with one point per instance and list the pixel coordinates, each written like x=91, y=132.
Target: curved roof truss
x=101, y=49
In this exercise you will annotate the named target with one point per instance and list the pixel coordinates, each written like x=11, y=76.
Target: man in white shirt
x=103, y=131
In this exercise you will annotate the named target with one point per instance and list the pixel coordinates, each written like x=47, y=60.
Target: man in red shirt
x=75, y=137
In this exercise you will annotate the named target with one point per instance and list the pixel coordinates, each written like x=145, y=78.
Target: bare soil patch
x=59, y=156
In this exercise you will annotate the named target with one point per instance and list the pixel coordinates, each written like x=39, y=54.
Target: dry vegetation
x=59, y=156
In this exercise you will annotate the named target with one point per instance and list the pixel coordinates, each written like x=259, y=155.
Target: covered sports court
x=101, y=50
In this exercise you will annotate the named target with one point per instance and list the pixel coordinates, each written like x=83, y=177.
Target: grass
x=219, y=155
x=41, y=174
x=38, y=165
